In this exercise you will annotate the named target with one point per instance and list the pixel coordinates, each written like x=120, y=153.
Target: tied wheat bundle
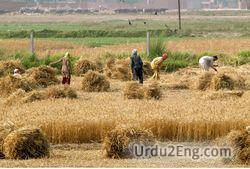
x=26, y=143
x=5, y=129
x=42, y=76
x=8, y=67
x=83, y=66
x=118, y=69
x=95, y=82
x=117, y=143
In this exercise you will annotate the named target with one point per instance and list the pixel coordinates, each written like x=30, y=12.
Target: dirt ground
x=91, y=155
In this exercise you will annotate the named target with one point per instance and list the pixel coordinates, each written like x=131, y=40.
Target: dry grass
x=95, y=82
x=26, y=143
x=223, y=95
x=197, y=46
x=118, y=141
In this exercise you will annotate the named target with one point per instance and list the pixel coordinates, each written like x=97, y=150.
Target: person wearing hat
x=66, y=68
x=207, y=62
x=17, y=73
x=136, y=66
x=156, y=65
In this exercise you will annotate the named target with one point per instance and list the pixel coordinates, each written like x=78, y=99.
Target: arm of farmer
x=52, y=63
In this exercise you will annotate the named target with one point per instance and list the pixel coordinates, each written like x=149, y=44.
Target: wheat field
x=181, y=115
x=44, y=47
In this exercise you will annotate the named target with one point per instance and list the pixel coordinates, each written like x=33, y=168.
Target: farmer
x=17, y=73
x=136, y=66
x=156, y=65
x=66, y=68
x=207, y=62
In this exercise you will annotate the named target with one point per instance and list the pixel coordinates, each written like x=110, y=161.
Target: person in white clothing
x=207, y=62
x=17, y=73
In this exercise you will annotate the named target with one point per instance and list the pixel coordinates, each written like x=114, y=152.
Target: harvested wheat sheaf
x=152, y=91
x=118, y=69
x=95, y=82
x=240, y=141
x=83, y=66
x=10, y=84
x=118, y=141
x=8, y=67
x=147, y=70
x=33, y=96
x=5, y=129
x=39, y=77
x=42, y=76
x=219, y=81
x=26, y=143
x=134, y=90
x=61, y=91
x=52, y=92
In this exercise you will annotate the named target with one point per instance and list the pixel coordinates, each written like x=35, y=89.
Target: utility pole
x=32, y=44
x=179, y=12
x=148, y=43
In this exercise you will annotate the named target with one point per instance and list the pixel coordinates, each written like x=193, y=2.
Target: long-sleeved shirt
x=136, y=61
x=156, y=62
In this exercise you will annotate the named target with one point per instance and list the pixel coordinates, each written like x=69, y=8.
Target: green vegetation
x=157, y=47
x=121, y=28
x=243, y=58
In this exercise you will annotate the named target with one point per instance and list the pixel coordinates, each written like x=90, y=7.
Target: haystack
x=133, y=90
x=152, y=91
x=5, y=129
x=204, y=81
x=8, y=67
x=42, y=76
x=26, y=143
x=118, y=69
x=10, y=84
x=95, y=82
x=222, y=81
x=117, y=143
x=33, y=96
x=83, y=66
x=147, y=70
x=219, y=81
x=61, y=91
x=240, y=141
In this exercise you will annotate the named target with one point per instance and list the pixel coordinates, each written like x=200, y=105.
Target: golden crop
x=180, y=115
